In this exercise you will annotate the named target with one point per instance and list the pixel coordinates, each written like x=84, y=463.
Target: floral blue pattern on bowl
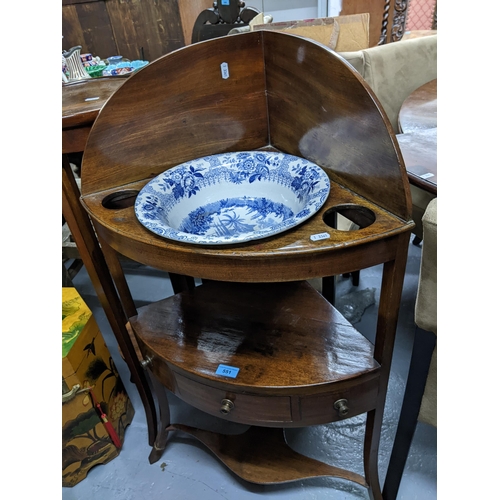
x=232, y=197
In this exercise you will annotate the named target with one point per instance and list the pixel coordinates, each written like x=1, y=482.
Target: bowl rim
x=161, y=229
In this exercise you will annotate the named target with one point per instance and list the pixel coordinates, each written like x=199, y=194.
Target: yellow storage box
x=96, y=408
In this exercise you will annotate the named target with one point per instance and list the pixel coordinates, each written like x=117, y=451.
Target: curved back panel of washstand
x=246, y=92
x=320, y=109
x=178, y=108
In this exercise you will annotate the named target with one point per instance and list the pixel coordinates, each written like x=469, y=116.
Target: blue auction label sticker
x=227, y=371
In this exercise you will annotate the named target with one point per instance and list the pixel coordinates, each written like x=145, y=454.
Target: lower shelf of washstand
x=279, y=352
x=261, y=455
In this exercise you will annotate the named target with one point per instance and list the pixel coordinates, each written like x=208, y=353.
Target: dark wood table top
x=418, y=140
x=419, y=151
x=419, y=110
x=81, y=101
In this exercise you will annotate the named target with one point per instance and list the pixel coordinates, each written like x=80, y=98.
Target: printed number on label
x=320, y=236
x=227, y=371
x=224, y=69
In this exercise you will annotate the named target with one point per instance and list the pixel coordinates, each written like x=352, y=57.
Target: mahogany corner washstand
x=300, y=362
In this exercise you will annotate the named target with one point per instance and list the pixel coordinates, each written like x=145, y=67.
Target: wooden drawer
x=248, y=409
x=319, y=409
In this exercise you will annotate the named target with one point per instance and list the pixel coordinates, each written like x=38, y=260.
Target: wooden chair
x=221, y=19
x=387, y=18
x=422, y=15
x=420, y=398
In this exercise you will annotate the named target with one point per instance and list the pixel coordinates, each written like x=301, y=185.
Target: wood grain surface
x=287, y=256
x=249, y=325
x=156, y=121
x=82, y=101
x=145, y=29
x=420, y=153
x=295, y=352
x=333, y=119
x=262, y=456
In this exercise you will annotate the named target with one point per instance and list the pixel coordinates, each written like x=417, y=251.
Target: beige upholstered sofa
x=426, y=308
x=394, y=71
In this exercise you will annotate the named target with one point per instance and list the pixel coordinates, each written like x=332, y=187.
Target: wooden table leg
x=164, y=407
x=118, y=276
x=390, y=295
x=421, y=357
x=93, y=259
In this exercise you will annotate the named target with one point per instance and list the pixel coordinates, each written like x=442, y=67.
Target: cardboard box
x=341, y=33
x=90, y=382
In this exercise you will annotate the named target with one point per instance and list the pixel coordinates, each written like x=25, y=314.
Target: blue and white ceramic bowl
x=232, y=198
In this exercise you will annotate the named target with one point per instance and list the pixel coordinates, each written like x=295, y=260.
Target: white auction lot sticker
x=320, y=236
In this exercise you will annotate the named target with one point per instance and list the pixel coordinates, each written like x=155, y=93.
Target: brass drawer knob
x=226, y=406
x=147, y=362
x=341, y=406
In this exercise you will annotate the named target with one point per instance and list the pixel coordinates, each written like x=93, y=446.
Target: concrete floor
x=188, y=471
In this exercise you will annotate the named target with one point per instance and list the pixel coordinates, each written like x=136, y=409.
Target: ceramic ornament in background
x=75, y=64
x=64, y=70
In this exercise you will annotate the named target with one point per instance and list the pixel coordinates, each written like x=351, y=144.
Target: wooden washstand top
x=284, y=93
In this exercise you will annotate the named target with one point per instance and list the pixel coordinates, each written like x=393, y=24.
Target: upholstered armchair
x=420, y=398
x=394, y=71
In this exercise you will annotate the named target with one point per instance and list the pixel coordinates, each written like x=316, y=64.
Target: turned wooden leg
x=355, y=278
x=116, y=271
x=371, y=447
x=181, y=283
x=162, y=434
x=328, y=288
x=390, y=294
